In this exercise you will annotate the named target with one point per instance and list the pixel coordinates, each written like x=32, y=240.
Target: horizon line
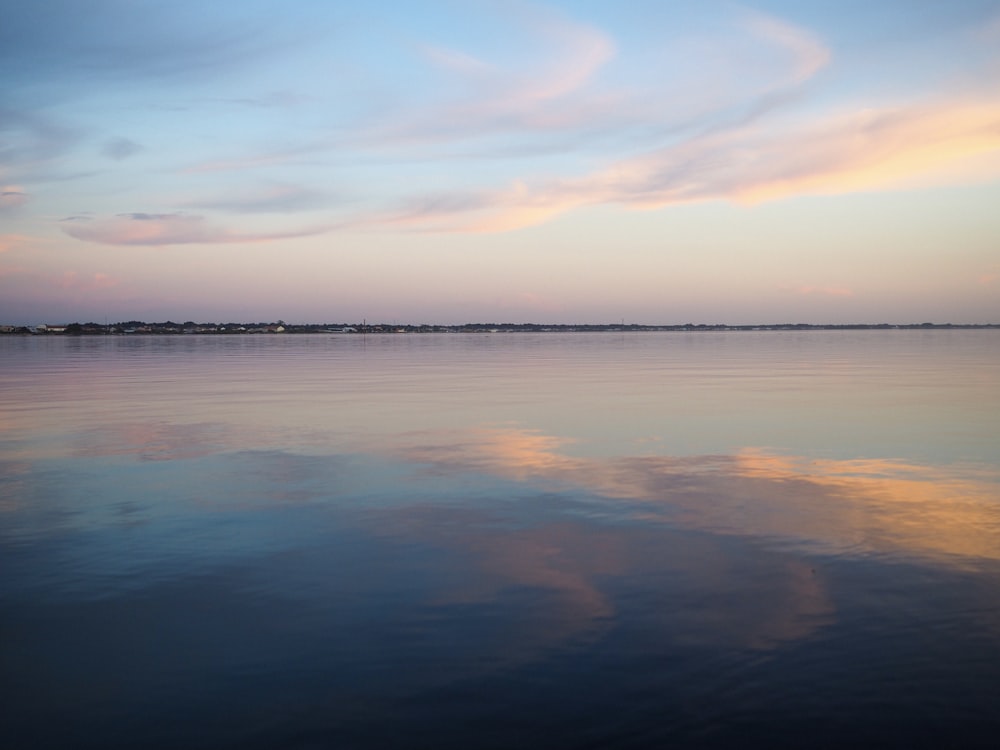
x=486, y=324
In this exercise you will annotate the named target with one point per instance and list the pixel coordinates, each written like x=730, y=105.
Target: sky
x=445, y=162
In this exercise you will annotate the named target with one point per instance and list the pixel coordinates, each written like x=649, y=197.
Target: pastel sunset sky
x=474, y=161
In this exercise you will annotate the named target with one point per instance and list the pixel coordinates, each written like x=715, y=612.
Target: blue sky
x=660, y=162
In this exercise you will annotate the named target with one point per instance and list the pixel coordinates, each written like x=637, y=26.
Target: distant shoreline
x=170, y=328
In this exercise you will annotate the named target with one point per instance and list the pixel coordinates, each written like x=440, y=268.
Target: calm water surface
x=784, y=539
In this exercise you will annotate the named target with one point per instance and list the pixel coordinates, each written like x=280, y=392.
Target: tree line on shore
x=138, y=327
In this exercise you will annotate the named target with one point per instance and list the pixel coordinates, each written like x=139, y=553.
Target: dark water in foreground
x=449, y=541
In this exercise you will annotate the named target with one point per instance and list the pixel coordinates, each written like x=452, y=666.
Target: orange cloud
x=894, y=505
x=923, y=144
x=878, y=149
x=518, y=208
x=873, y=149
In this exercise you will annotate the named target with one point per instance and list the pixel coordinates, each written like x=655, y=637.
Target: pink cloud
x=559, y=90
x=807, y=52
x=582, y=51
x=489, y=211
x=562, y=55
x=169, y=229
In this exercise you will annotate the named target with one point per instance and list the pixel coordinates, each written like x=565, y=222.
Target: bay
x=704, y=539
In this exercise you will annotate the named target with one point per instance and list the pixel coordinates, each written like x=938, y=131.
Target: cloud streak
x=547, y=94
x=808, y=53
x=259, y=123
x=142, y=229
x=746, y=160
x=874, y=149
x=12, y=197
x=274, y=198
x=28, y=139
x=119, y=148
x=562, y=101
x=118, y=41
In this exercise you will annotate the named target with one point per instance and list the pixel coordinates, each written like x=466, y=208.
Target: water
x=495, y=540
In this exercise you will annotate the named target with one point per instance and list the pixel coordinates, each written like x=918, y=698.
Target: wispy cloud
x=759, y=150
x=143, y=229
x=559, y=88
x=551, y=98
x=257, y=160
x=11, y=197
x=119, y=148
x=877, y=148
x=111, y=40
x=282, y=99
x=872, y=149
x=808, y=54
x=559, y=101
x=272, y=198
x=564, y=55
x=28, y=140
x=458, y=62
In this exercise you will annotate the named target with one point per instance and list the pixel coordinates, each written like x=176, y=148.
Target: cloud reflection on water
x=950, y=513
x=567, y=565
x=154, y=441
x=576, y=575
x=852, y=507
